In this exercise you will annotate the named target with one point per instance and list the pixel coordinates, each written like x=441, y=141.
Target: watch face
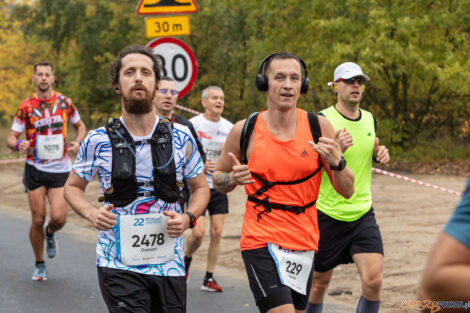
x=342, y=164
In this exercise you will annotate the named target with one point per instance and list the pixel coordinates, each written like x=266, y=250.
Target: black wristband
x=192, y=219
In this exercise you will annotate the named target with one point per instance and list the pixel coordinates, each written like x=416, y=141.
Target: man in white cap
x=348, y=230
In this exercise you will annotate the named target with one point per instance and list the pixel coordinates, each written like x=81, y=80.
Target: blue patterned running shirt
x=95, y=158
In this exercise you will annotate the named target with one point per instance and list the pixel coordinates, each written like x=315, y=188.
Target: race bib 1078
x=49, y=147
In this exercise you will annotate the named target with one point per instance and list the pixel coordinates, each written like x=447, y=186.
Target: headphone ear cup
x=261, y=82
x=304, y=85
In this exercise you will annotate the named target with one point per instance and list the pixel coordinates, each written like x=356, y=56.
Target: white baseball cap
x=346, y=71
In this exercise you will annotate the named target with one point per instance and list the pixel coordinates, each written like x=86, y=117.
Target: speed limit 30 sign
x=178, y=62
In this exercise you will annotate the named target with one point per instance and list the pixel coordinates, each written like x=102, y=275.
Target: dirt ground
x=410, y=217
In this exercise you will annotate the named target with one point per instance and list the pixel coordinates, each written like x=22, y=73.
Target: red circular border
x=152, y=44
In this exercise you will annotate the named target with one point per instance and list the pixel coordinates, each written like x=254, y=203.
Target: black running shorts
x=266, y=285
x=339, y=240
x=130, y=292
x=218, y=203
x=34, y=178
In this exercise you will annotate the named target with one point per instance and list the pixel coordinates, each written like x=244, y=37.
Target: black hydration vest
x=255, y=197
x=124, y=185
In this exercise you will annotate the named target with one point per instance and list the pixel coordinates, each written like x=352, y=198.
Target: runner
x=164, y=103
x=212, y=130
x=281, y=177
x=447, y=273
x=140, y=161
x=44, y=116
x=349, y=231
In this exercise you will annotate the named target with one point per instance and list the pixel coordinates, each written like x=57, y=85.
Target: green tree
x=17, y=57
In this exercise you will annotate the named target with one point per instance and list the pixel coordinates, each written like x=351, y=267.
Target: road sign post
x=178, y=62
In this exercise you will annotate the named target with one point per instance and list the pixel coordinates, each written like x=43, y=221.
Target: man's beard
x=43, y=89
x=139, y=105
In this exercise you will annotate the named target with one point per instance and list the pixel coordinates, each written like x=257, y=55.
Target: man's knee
x=373, y=282
x=38, y=219
x=197, y=234
x=57, y=223
x=216, y=232
x=320, y=283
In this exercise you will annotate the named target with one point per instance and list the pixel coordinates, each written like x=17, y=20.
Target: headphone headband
x=261, y=81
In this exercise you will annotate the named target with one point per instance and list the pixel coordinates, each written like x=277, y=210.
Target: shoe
x=40, y=272
x=211, y=285
x=51, y=244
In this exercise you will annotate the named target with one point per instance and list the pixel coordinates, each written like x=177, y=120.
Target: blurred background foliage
x=416, y=53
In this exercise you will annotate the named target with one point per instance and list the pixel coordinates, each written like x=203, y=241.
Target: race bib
x=49, y=147
x=142, y=239
x=212, y=149
x=293, y=266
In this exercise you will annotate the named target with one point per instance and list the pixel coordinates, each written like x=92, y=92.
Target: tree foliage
x=416, y=53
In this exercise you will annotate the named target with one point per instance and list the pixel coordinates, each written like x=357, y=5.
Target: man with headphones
x=281, y=176
x=349, y=231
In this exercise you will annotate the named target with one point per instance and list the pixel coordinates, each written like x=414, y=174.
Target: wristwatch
x=192, y=219
x=341, y=165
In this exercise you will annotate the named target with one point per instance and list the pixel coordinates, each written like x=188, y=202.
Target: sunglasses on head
x=350, y=81
x=173, y=92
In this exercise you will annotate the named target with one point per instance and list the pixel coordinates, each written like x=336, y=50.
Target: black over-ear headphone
x=261, y=81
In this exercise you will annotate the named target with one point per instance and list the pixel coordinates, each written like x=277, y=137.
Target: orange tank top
x=283, y=161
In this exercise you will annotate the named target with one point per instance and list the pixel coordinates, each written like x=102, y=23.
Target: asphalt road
x=72, y=284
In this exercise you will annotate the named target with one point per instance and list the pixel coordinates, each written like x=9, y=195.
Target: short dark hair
x=167, y=78
x=116, y=66
x=43, y=63
x=281, y=55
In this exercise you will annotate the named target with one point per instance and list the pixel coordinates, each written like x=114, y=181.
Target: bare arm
x=74, y=145
x=229, y=172
x=74, y=193
x=330, y=152
x=447, y=273
x=198, y=200
x=12, y=139
x=200, y=195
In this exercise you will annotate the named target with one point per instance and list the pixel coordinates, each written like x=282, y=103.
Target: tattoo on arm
x=222, y=181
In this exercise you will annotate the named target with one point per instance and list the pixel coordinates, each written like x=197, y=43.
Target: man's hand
x=176, y=223
x=328, y=149
x=345, y=140
x=381, y=152
x=24, y=146
x=209, y=167
x=102, y=218
x=73, y=147
x=241, y=173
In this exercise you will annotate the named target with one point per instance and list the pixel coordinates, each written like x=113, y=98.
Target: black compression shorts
x=266, y=285
x=339, y=240
x=130, y=292
x=34, y=178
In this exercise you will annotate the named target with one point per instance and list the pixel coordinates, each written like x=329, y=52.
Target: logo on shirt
x=201, y=134
x=369, y=134
x=304, y=153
